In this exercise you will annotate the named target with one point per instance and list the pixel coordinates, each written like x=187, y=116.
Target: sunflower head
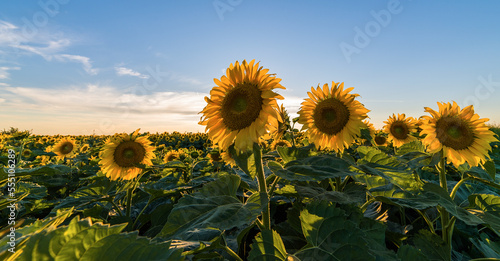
x=65, y=148
x=332, y=116
x=242, y=107
x=26, y=153
x=84, y=148
x=122, y=153
x=228, y=159
x=400, y=129
x=380, y=139
x=171, y=156
x=276, y=143
x=460, y=133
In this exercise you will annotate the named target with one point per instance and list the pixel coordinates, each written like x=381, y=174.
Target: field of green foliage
x=368, y=203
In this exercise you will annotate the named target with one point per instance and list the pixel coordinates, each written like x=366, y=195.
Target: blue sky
x=79, y=67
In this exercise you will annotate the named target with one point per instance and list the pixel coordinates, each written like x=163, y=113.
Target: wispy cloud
x=126, y=71
x=103, y=108
x=183, y=79
x=85, y=61
x=4, y=71
x=48, y=45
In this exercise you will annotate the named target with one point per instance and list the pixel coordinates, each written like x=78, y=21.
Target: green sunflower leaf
x=268, y=245
x=315, y=168
x=215, y=207
x=334, y=234
x=66, y=242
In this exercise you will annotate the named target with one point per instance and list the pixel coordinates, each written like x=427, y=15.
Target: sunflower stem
x=446, y=229
x=232, y=253
x=456, y=187
x=129, y=200
x=142, y=211
x=116, y=207
x=427, y=220
x=261, y=178
x=338, y=184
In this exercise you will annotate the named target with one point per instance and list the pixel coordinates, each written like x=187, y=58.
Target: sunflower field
x=257, y=187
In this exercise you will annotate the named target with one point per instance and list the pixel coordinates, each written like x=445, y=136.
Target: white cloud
x=85, y=61
x=102, y=108
x=126, y=71
x=46, y=44
x=4, y=74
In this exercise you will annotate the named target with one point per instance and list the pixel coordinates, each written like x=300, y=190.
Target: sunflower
x=380, y=139
x=242, y=107
x=332, y=117
x=460, y=133
x=284, y=125
x=171, y=156
x=228, y=159
x=371, y=129
x=65, y=148
x=84, y=148
x=26, y=153
x=122, y=153
x=276, y=143
x=400, y=128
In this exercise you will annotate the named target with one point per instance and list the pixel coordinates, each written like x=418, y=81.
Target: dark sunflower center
x=331, y=116
x=171, y=157
x=453, y=132
x=380, y=140
x=128, y=154
x=241, y=106
x=66, y=147
x=215, y=156
x=399, y=130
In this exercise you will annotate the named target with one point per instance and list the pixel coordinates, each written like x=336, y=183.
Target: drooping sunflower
x=242, y=107
x=65, y=148
x=171, y=156
x=399, y=129
x=460, y=133
x=84, y=148
x=276, y=143
x=380, y=139
x=332, y=116
x=228, y=159
x=123, y=152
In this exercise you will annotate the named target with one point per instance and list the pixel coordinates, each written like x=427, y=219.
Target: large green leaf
x=431, y=245
x=319, y=193
x=410, y=147
x=128, y=246
x=47, y=170
x=487, y=208
x=410, y=253
x=268, y=245
x=332, y=234
x=375, y=155
x=24, y=233
x=489, y=248
x=432, y=195
x=246, y=160
x=67, y=242
x=213, y=207
x=315, y=168
x=294, y=153
x=403, y=178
